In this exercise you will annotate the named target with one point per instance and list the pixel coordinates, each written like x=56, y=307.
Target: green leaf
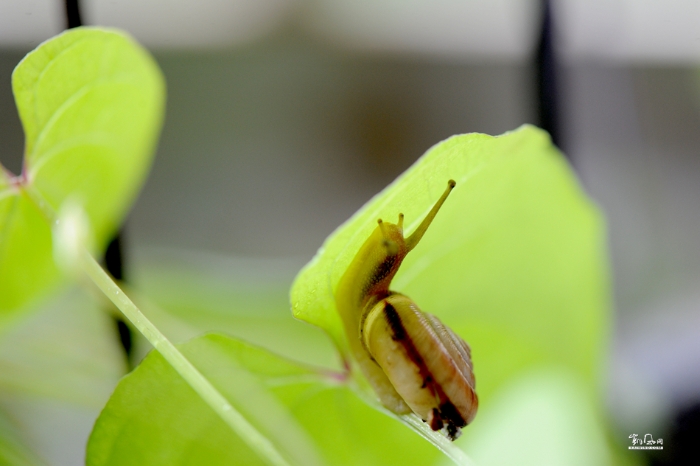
x=91, y=103
x=154, y=418
x=514, y=262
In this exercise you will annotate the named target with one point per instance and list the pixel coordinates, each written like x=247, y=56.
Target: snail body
x=413, y=361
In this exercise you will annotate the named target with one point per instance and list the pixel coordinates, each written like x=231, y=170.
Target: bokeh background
x=285, y=116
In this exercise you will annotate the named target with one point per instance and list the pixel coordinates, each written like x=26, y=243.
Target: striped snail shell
x=412, y=360
x=427, y=363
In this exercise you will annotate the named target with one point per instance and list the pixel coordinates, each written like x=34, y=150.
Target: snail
x=413, y=361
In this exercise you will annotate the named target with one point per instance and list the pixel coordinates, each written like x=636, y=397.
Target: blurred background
x=285, y=116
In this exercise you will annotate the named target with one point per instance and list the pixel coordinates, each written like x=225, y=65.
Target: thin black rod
x=547, y=79
x=114, y=264
x=114, y=259
x=73, y=14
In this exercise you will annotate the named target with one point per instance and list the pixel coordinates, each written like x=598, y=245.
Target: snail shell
x=427, y=363
x=413, y=361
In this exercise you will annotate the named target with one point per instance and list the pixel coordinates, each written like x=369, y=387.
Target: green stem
x=187, y=371
x=211, y=396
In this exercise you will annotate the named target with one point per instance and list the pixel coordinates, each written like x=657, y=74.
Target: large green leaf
x=91, y=104
x=154, y=418
x=514, y=262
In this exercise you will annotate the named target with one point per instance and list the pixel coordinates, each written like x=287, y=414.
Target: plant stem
x=211, y=396
x=184, y=367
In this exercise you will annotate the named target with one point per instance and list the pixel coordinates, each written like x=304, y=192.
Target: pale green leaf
x=91, y=103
